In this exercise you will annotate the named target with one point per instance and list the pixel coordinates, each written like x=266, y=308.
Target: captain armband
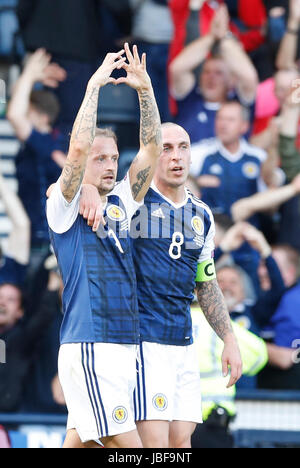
x=206, y=271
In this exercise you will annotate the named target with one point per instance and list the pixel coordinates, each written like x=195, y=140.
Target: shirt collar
x=232, y=157
x=175, y=205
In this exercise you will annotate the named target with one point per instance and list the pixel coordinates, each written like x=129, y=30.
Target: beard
x=230, y=300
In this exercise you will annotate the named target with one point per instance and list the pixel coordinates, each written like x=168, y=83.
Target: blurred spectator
x=77, y=33
x=267, y=204
x=267, y=201
x=271, y=98
x=218, y=401
x=153, y=37
x=248, y=19
x=287, y=54
x=252, y=315
x=10, y=44
x=287, y=260
x=15, y=259
x=289, y=232
x=38, y=396
x=273, y=93
x=274, y=29
x=283, y=330
x=231, y=283
x=229, y=74
x=38, y=164
x=228, y=168
x=20, y=330
x=228, y=245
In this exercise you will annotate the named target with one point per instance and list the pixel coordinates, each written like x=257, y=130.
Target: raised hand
x=295, y=10
x=137, y=76
x=234, y=237
x=39, y=68
x=257, y=240
x=220, y=23
x=111, y=62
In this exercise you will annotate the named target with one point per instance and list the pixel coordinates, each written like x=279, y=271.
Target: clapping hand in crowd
x=245, y=232
x=220, y=23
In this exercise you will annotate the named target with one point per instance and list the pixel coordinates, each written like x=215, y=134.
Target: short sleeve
x=61, y=215
x=209, y=245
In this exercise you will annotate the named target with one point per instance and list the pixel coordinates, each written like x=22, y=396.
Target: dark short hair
x=47, y=103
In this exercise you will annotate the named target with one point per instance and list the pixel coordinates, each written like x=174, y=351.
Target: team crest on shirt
x=244, y=322
x=250, y=170
x=202, y=117
x=216, y=169
x=160, y=402
x=197, y=225
x=115, y=213
x=120, y=414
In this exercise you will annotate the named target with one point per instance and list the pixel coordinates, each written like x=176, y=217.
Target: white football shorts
x=98, y=382
x=168, y=384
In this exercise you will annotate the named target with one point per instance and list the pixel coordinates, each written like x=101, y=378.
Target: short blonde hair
x=106, y=133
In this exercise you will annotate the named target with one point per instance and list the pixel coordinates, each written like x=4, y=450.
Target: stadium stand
x=9, y=147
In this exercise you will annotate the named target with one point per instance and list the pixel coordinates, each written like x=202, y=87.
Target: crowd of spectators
x=227, y=72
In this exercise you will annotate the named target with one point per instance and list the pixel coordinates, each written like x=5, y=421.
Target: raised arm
x=281, y=357
x=143, y=167
x=37, y=69
x=19, y=239
x=241, y=67
x=213, y=305
x=182, y=67
x=264, y=201
x=83, y=132
x=287, y=54
x=290, y=156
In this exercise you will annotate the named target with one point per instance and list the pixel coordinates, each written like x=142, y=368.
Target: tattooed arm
x=142, y=169
x=212, y=303
x=83, y=132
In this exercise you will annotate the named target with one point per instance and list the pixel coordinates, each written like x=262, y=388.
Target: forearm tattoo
x=150, y=136
x=85, y=124
x=71, y=179
x=141, y=180
x=150, y=126
x=83, y=131
x=212, y=303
